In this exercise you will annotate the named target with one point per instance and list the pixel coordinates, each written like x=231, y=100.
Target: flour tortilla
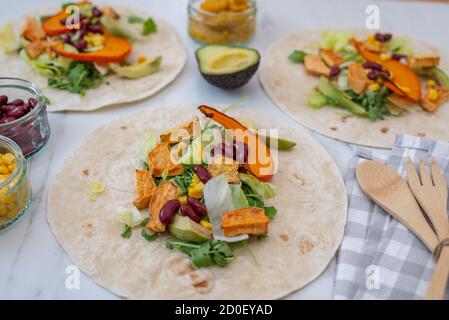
x=114, y=90
x=303, y=237
x=288, y=85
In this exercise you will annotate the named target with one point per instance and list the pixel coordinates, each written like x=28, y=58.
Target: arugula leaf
x=126, y=232
x=297, y=56
x=270, y=212
x=135, y=19
x=204, y=254
x=149, y=26
x=78, y=77
x=183, y=181
x=145, y=222
x=375, y=102
x=246, y=245
x=149, y=236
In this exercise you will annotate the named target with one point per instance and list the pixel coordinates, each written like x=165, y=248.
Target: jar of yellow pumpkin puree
x=222, y=21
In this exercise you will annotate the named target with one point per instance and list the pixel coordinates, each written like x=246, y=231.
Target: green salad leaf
x=149, y=236
x=127, y=232
x=270, y=212
x=264, y=189
x=374, y=102
x=183, y=181
x=79, y=77
x=149, y=26
x=238, y=196
x=213, y=252
x=297, y=56
x=135, y=19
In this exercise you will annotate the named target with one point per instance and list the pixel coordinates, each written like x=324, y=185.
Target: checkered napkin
x=379, y=258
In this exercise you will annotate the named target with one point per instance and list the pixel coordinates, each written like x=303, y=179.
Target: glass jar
x=15, y=190
x=226, y=27
x=30, y=132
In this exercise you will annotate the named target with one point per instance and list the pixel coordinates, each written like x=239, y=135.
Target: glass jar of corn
x=15, y=190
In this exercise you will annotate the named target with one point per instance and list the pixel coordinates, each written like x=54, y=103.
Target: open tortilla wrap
x=289, y=85
x=302, y=239
x=114, y=90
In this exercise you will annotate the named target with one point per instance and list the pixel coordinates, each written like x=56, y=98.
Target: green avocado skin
x=232, y=80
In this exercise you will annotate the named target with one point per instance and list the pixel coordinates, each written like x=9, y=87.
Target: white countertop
x=32, y=264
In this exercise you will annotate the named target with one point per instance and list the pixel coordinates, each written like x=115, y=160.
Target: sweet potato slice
x=163, y=193
x=160, y=160
x=245, y=221
x=314, y=65
x=228, y=167
x=145, y=188
x=330, y=57
x=185, y=131
x=424, y=61
x=357, y=79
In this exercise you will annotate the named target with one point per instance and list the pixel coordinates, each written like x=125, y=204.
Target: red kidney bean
x=3, y=100
x=383, y=37
x=335, y=71
x=17, y=112
x=81, y=45
x=32, y=102
x=186, y=210
x=240, y=151
x=398, y=57
x=372, y=65
x=202, y=174
x=66, y=38
x=197, y=206
x=373, y=74
x=94, y=28
x=168, y=211
x=18, y=102
x=97, y=12
x=7, y=119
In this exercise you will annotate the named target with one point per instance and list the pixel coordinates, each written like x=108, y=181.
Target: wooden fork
x=431, y=193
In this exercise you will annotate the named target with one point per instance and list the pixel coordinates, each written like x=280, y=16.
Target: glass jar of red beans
x=23, y=115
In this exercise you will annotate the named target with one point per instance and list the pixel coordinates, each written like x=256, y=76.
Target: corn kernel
x=141, y=59
x=432, y=94
x=182, y=200
x=384, y=57
x=8, y=158
x=206, y=224
x=371, y=38
x=431, y=83
x=374, y=87
x=12, y=167
x=6, y=199
x=4, y=170
x=195, y=189
x=3, y=211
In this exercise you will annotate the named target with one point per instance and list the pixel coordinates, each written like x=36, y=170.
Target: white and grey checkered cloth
x=379, y=258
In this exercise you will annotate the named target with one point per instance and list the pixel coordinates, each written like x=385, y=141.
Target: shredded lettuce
x=194, y=153
x=337, y=41
x=400, y=45
x=150, y=142
x=238, y=197
x=264, y=189
x=130, y=216
x=46, y=66
x=218, y=200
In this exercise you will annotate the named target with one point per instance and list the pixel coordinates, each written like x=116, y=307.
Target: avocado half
x=227, y=67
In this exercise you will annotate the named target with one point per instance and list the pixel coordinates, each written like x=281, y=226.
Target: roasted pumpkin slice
x=245, y=221
x=228, y=167
x=115, y=50
x=145, y=188
x=404, y=78
x=161, y=195
x=53, y=26
x=260, y=162
x=186, y=131
x=160, y=160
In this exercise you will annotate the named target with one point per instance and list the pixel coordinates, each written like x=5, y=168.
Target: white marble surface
x=32, y=264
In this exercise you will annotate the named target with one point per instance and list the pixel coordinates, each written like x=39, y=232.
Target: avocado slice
x=183, y=228
x=227, y=67
x=138, y=70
